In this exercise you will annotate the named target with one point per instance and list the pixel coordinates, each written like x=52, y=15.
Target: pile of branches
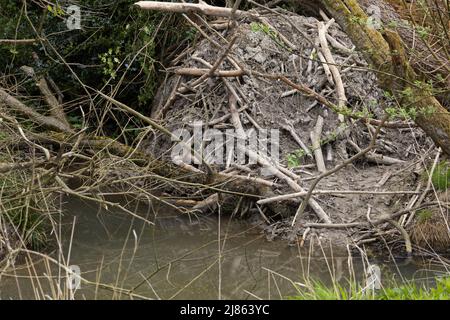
x=274, y=69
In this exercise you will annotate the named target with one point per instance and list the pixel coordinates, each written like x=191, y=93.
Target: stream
x=177, y=258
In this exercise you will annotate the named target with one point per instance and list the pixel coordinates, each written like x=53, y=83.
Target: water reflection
x=179, y=257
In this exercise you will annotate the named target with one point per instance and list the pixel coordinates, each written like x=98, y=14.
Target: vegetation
x=441, y=176
x=352, y=291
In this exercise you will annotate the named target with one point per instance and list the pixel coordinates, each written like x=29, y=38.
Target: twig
x=315, y=139
x=202, y=8
x=429, y=183
x=56, y=108
x=201, y=72
x=342, y=99
x=49, y=122
x=18, y=41
x=332, y=192
x=290, y=129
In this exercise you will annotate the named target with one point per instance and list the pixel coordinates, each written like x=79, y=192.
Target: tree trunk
x=386, y=54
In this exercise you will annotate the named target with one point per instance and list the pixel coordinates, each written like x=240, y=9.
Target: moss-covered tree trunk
x=384, y=50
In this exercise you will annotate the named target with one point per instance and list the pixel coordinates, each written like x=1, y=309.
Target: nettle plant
x=404, y=100
x=272, y=34
x=111, y=61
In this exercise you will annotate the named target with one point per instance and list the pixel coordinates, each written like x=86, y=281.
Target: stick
x=201, y=71
x=315, y=139
x=429, y=183
x=56, y=108
x=208, y=203
x=297, y=139
x=332, y=192
x=155, y=125
x=337, y=45
x=379, y=221
x=46, y=121
x=279, y=34
x=376, y=157
x=408, y=246
x=248, y=178
x=18, y=41
x=342, y=99
x=202, y=8
x=179, y=162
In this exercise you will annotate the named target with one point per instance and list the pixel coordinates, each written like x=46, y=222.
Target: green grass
x=441, y=176
x=413, y=291
x=424, y=215
x=406, y=291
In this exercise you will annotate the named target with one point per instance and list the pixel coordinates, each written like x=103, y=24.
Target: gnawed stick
x=317, y=149
x=340, y=90
x=405, y=235
x=6, y=167
x=18, y=41
x=209, y=203
x=179, y=162
x=202, y=8
x=297, y=139
x=56, y=108
x=305, y=234
x=249, y=178
x=376, y=157
x=332, y=192
x=339, y=46
x=18, y=106
x=200, y=72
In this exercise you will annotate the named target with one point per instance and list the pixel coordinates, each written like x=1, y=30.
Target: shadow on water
x=178, y=258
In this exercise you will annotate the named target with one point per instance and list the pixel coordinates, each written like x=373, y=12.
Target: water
x=177, y=258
